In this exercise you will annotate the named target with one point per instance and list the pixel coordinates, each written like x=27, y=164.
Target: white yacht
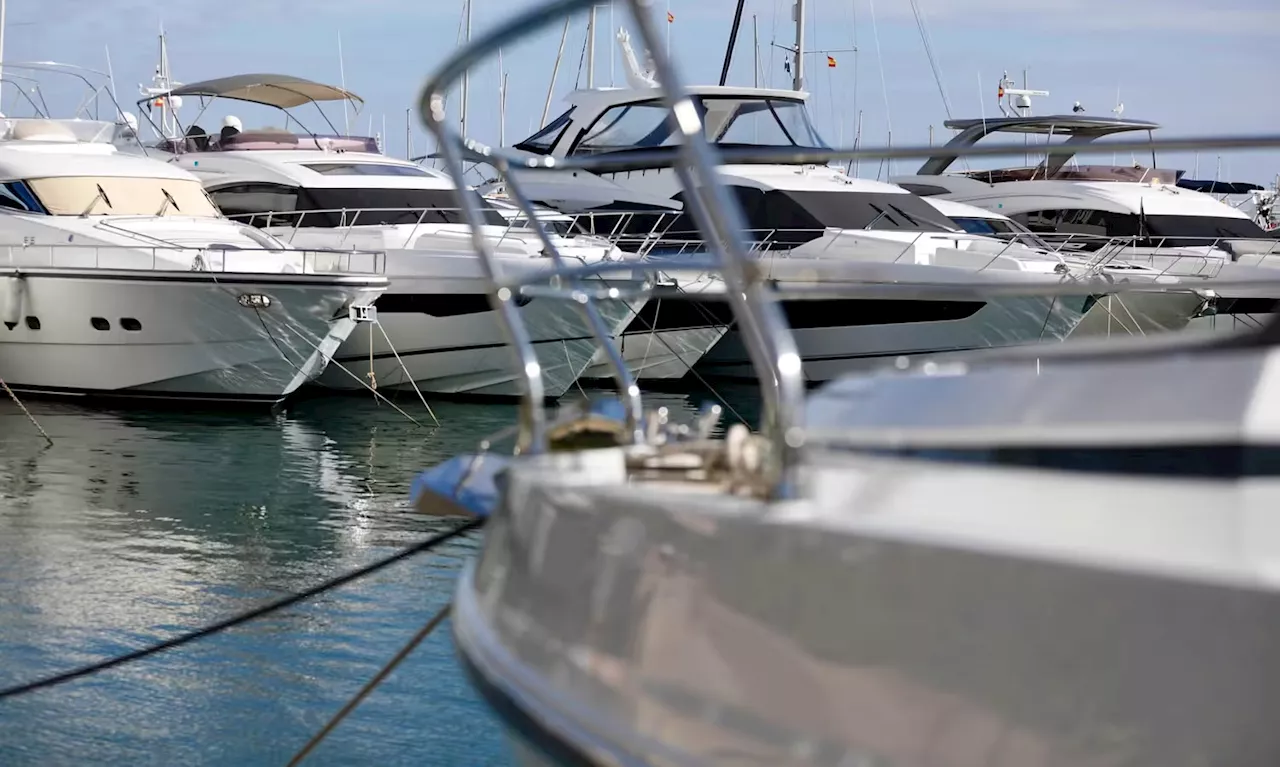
x=802, y=219
x=1134, y=313
x=436, y=329
x=1133, y=214
x=120, y=278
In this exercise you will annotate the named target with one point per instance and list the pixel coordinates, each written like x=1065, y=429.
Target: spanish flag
x=831, y=62
x=671, y=17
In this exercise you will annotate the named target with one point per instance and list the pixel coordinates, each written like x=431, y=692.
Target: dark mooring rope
x=245, y=617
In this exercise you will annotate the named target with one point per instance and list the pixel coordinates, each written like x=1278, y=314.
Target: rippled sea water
x=138, y=525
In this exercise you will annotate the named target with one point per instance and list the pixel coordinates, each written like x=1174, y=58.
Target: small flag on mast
x=831, y=62
x=671, y=17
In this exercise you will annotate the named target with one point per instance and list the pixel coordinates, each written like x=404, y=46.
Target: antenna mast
x=798, y=68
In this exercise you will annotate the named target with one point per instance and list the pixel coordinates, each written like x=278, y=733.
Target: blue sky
x=1194, y=66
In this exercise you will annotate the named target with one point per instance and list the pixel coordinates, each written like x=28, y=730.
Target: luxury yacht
x=1133, y=214
x=1134, y=313
x=1047, y=556
x=804, y=220
x=436, y=330
x=121, y=279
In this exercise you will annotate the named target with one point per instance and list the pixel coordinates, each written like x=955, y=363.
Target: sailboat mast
x=591, y=48
x=2, y=26
x=798, y=69
x=755, y=35
x=466, y=74
x=733, y=41
x=502, y=102
x=555, y=72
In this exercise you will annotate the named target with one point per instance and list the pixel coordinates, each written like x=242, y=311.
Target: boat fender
x=11, y=309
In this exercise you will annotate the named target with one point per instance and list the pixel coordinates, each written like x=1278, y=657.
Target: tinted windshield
x=545, y=140
x=769, y=122
x=1003, y=229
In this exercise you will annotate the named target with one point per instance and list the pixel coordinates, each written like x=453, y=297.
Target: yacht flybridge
x=1107, y=213
x=121, y=279
x=437, y=331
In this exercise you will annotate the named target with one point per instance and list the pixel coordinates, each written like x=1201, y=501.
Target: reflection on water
x=134, y=526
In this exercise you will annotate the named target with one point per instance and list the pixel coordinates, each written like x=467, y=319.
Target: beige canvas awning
x=282, y=91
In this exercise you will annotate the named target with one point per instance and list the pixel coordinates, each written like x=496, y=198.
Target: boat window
x=1191, y=231
x=872, y=210
x=365, y=169
x=546, y=139
x=775, y=122
x=1001, y=228
x=553, y=222
x=729, y=121
x=245, y=202
x=15, y=195
x=778, y=219
x=1085, y=229
x=122, y=196
x=628, y=126
x=345, y=207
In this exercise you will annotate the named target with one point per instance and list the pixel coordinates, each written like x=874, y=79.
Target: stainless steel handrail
x=770, y=344
x=153, y=257
x=767, y=337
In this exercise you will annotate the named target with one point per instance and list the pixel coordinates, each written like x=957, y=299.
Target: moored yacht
x=1108, y=213
x=803, y=220
x=436, y=330
x=121, y=279
x=1132, y=313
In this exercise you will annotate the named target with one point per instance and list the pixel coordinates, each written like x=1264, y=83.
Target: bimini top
x=1075, y=128
x=280, y=91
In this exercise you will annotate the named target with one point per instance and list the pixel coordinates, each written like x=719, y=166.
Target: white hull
x=467, y=354
x=663, y=355
x=610, y=620
x=194, y=340
x=1138, y=314
x=830, y=352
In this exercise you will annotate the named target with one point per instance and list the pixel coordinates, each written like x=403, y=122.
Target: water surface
x=137, y=525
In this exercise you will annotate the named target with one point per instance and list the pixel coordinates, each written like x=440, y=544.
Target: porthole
x=130, y=324
x=33, y=323
x=99, y=323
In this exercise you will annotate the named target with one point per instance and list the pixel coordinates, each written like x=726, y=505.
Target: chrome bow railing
x=759, y=318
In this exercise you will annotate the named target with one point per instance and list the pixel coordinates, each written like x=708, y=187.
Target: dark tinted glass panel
x=345, y=207
x=1200, y=230
x=367, y=207
x=545, y=140
x=729, y=121
x=244, y=201
x=865, y=210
